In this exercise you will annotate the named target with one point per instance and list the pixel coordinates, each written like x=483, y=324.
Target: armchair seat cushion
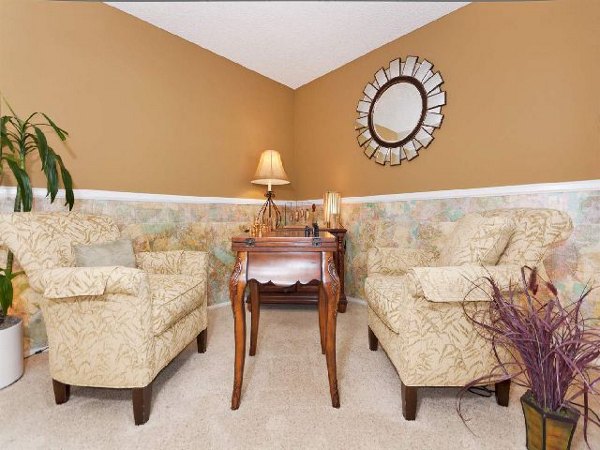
x=173, y=297
x=386, y=295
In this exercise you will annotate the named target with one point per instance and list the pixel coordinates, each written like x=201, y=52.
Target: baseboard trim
x=360, y=301
x=495, y=191
x=218, y=305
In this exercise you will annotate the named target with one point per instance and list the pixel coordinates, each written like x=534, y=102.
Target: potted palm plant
x=19, y=139
x=549, y=348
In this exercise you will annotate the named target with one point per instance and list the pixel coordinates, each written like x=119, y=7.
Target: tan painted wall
x=523, y=89
x=147, y=111
x=150, y=112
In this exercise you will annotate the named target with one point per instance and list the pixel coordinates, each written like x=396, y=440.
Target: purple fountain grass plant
x=541, y=344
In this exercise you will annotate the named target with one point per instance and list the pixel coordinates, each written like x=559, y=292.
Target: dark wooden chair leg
x=503, y=392
x=142, y=399
x=201, y=340
x=62, y=392
x=409, y=401
x=373, y=341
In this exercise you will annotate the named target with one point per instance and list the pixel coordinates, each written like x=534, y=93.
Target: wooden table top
x=285, y=240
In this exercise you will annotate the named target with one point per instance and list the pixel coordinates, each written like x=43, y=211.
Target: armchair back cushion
x=43, y=240
x=476, y=239
x=113, y=253
x=536, y=230
x=389, y=233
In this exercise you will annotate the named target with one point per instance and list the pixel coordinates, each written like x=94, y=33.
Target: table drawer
x=285, y=268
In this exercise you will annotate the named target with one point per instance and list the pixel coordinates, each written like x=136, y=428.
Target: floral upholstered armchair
x=113, y=327
x=417, y=297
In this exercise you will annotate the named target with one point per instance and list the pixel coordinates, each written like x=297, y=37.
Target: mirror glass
x=397, y=112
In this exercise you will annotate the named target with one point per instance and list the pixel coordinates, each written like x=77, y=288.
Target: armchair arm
x=182, y=262
x=99, y=324
x=396, y=261
x=67, y=282
x=464, y=283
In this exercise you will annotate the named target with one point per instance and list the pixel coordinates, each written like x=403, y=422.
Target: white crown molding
x=496, y=191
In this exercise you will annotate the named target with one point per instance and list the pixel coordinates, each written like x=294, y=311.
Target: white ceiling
x=290, y=42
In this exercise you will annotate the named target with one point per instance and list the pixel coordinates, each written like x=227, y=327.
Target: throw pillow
x=114, y=253
x=476, y=239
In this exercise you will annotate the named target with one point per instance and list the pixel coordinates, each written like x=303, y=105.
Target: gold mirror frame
x=428, y=83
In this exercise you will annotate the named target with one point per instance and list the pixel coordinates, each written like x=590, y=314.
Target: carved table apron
x=284, y=258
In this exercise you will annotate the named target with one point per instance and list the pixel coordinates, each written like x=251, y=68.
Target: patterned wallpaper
x=208, y=227
x=571, y=265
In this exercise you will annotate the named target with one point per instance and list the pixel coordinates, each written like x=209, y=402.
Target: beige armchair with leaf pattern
x=416, y=298
x=112, y=327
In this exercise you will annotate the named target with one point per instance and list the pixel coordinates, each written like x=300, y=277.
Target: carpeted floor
x=285, y=400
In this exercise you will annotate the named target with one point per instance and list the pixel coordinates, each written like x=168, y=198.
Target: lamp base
x=334, y=221
x=269, y=214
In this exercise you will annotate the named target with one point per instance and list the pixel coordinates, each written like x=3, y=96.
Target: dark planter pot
x=548, y=430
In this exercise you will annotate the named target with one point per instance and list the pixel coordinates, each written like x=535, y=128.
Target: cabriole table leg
x=237, y=285
x=331, y=286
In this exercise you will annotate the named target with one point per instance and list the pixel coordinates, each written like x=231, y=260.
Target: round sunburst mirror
x=400, y=110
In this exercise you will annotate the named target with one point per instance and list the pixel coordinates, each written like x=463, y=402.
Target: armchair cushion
x=396, y=261
x=463, y=283
x=536, y=230
x=78, y=281
x=113, y=253
x=476, y=239
x=44, y=240
x=174, y=297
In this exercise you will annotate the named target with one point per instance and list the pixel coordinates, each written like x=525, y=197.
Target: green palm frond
x=6, y=290
x=19, y=138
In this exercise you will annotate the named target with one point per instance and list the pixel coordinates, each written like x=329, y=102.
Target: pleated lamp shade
x=270, y=170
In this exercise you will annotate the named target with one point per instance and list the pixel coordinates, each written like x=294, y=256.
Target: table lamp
x=332, y=203
x=270, y=173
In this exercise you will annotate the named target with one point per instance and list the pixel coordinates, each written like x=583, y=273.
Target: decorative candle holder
x=332, y=202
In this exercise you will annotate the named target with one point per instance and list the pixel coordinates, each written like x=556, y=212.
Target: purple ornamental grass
x=542, y=345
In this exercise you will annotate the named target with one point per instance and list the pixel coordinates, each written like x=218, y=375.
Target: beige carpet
x=285, y=400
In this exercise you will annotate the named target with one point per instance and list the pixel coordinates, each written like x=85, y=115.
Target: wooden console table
x=308, y=294
x=284, y=258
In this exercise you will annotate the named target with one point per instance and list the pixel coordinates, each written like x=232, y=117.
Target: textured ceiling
x=290, y=42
